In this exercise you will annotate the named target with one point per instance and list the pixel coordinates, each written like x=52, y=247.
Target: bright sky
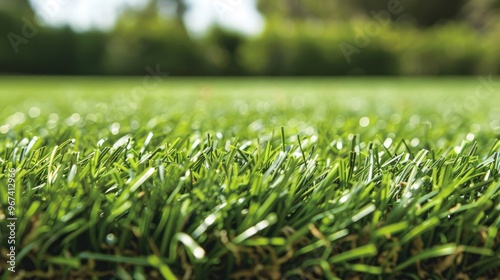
x=85, y=14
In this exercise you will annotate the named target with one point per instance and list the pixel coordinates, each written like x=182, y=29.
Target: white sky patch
x=83, y=15
x=238, y=15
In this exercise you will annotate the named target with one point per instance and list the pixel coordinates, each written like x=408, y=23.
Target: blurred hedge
x=309, y=49
x=27, y=47
x=133, y=46
x=284, y=48
x=424, y=12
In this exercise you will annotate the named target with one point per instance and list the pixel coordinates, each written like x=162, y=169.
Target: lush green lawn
x=270, y=178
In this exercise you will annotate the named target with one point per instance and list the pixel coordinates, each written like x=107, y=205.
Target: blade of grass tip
x=283, y=145
x=390, y=229
x=419, y=229
x=263, y=241
x=473, y=149
x=72, y=173
x=363, y=212
x=141, y=179
x=122, y=200
x=371, y=164
x=51, y=161
x=31, y=144
x=207, y=222
x=276, y=164
x=352, y=158
x=209, y=140
x=118, y=210
x=301, y=150
x=407, y=147
x=190, y=244
x=497, y=162
x=161, y=172
x=165, y=271
x=496, y=145
x=364, y=268
x=387, y=148
x=146, y=142
x=270, y=220
x=434, y=252
x=365, y=251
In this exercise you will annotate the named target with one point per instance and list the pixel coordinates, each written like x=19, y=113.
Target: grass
x=246, y=179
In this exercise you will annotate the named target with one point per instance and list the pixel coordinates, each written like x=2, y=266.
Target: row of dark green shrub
x=370, y=49
x=284, y=48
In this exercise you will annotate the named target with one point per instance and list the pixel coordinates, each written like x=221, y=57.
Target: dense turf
x=274, y=179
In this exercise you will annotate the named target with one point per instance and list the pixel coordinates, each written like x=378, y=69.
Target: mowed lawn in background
x=246, y=178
